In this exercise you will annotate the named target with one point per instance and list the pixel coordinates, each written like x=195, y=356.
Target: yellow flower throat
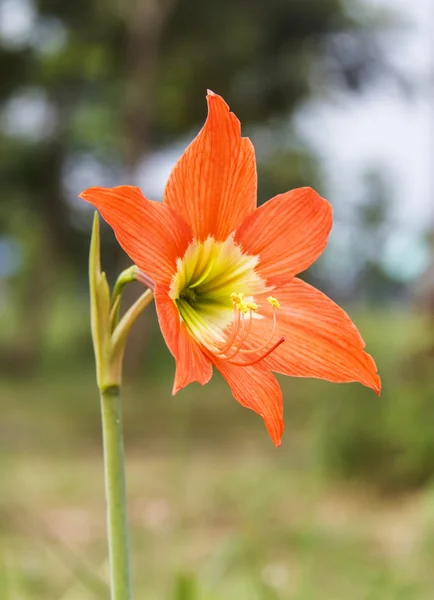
x=214, y=288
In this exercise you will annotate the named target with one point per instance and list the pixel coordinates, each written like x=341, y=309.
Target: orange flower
x=224, y=273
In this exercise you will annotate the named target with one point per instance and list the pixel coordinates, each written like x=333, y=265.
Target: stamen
x=249, y=329
x=273, y=301
x=244, y=334
x=241, y=340
x=275, y=304
x=232, y=337
x=237, y=297
x=258, y=359
x=265, y=344
x=240, y=304
x=241, y=307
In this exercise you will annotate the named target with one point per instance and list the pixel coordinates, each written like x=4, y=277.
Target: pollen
x=252, y=305
x=273, y=301
x=240, y=304
x=237, y=297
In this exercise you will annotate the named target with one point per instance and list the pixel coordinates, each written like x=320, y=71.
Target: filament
x=232, y=347
x=232, y=337
x=265, y=344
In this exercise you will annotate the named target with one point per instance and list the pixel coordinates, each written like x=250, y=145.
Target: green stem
x=118, y=542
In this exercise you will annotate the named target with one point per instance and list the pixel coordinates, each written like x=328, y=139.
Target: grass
x=246, y=526
x=344, y=509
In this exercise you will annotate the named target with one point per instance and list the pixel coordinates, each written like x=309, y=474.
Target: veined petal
x=256, y=388
x=151, y=234
x=288, y=233
x=191, y=363
x=213, y=185
x=321, y=340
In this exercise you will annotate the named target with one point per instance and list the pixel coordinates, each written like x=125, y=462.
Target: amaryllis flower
x=224, y=273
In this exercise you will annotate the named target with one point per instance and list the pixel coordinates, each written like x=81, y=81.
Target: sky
x=387, y=130
x=383, y=127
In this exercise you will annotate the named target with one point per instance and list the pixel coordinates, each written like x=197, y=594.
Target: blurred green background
x=335, y=94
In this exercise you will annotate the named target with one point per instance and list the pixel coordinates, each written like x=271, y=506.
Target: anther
x=273, y=301
x=240, y=333
x=240, y=304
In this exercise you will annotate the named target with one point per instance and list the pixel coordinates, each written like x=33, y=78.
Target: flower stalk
x=115, y=489
x=109, y=336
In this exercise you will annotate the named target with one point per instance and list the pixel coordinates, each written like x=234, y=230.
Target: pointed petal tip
x=278, y=442
x=373, y=380
x=215, y=101
x=213, y=186
x=377, y=385
x=275, y=431
x=85, y=193
x=91, y=194
x=179, y=385
x=275, y=425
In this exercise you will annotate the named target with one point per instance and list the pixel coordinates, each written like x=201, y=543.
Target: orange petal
x=213, y=185
x=321, y=340
x=191, y=362
x=288, y=233
x=256, y=388
x=151, y=234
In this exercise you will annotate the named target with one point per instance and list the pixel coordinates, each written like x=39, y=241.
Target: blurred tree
x=92, y=86
x=374, y=218
x=121, y=78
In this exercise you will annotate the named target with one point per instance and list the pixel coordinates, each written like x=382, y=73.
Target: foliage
x=385, y=442
x=114, y=81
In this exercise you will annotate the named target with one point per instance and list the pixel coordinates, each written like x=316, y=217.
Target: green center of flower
x=188, y=295
x=206, y=277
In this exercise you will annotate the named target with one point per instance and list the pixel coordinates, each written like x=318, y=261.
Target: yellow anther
x=273, y=301
x=252, y=305
x=240, y=304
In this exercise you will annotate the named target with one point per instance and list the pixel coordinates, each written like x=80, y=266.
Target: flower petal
x=256, y=388
x=191, y=363
x=213, y=185
x=151, y=234
x=288, y=233
x=320, y=338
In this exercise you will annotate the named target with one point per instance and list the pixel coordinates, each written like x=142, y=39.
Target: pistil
x=259, y=358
